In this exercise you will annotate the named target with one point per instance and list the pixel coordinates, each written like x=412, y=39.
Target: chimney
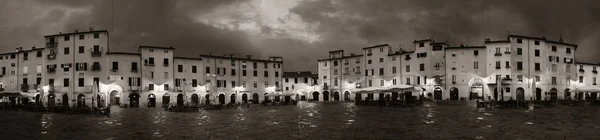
x=230, y=55
x=248, y=56
x=351, y=54
x=76, y=30
x=487, y=40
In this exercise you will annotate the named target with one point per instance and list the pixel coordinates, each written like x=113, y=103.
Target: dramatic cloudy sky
x=301, y=31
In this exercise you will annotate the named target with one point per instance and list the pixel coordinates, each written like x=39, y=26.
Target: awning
x=395, y=88
x=586, y=89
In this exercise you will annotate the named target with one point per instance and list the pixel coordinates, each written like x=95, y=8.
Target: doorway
x=245, y=98
x=80, y=101
x=454, y=94
x=166, y=100
x=151, y=100
x=195, y=100
x=222, y=99
x=134, y=100
x=179, y=99
x=437, y=94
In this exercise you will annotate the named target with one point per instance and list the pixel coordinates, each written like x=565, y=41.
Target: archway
x=232, y=99
x=453, y=93
x=553, y=94
x=520, y=94
x=315, y=96
x=476, y=88
x=336, y=96
x=437, y=94
x=51, y=100
x=325, y=95
x=538, y=94
x=166, y=99
x=245, y=98
x=222, y=99
x=195, y=100
x=567, y=94
x=114, y=97
x=394, y=96
x=151, y=100
x=134, y=100
x=179, y=99
x=266, y=98
x=207, y=99
x=65, y=100
x=37, y=99
x=255, y=98
x=347, y=96
x=80, y=101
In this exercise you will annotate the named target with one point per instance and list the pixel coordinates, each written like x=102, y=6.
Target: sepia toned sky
x=301, y=31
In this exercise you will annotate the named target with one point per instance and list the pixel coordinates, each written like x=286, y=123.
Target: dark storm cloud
x=340, y=24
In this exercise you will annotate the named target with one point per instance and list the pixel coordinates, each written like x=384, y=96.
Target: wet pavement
x=311, y=121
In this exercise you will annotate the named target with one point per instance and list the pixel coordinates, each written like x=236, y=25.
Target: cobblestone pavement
x=311, y=121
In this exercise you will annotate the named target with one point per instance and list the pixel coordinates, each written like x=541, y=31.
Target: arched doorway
x=553, y=94
x=315, y=96
x=222, y=99
x=437, y=94
x=99, y=101
x=179, y=99
x=115, y=97
x=347, y=96
x=325, y=95
x=166, y=99
x=476, y=89
x=207, y=99
x=336, y=96
x=245, y=98
x=65, y=100
x=266, y=98
x=453, y=93
x=232, y=99
x=80, y=101
x=538, y=94
x=134, y=100
x=51, y=100
x=255, y=98
x=151, y=100
x=37, y=99
x=195, y=100
x=567, y=94
x=520, y=94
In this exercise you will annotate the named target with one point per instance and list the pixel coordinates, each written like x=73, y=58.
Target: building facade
x=302, y=83
x=518, y=68
x=76, y=69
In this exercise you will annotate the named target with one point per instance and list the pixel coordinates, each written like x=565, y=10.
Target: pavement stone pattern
x=312, y=121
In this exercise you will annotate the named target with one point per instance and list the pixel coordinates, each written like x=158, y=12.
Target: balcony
x=96, y=67
x=581, y=70
x=498, y=54
x=407, y=58
x=453, y=68
x=51, y=70
x=453, y=82
x=178, y=89
x=51, y=56
x=134, y=88
x=166, y=64
x=594, y=71
x=84, y=89
x=369, y=54
x=134, y=70
x=114, y=69
x=594, y=84
x=96, y=53
x=149, y=64
x=497, y=67
x=24, y=87
x=325, y=87
x=51, y=44
x=506, y=80
x=507, y=52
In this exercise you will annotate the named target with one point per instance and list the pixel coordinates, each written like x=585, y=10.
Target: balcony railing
x=24, y=87
x=325, y=87
x=369, y=54
x=114, y=70
x=95, y=67
x=51, y=56
x=595, y=72
x=497, y=67
x=166, y=64
x=498, y=54
x=83, y=89
x=134, y=70
x=51, y=70
x=506, y=52
x=96, y=53
x=134, y=88
x=581, y=70
x=51, y=44
x=407, y=58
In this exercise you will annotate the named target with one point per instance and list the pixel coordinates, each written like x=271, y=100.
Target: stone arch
x=520, y=94
x=336, y=96
x=222, y=98
x=553, y=94
x=315, y=96
x=180, y=99
x=454, y=94
x=476, y=86
x=347, y=95
x=567, y=94
x=437, y=93
x=115, y=92
x=325, y=95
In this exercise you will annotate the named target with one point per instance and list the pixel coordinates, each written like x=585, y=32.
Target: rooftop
x=298, y=74
x=237, y=58
x=77, y=32
x=376, y=46
x=158, y=47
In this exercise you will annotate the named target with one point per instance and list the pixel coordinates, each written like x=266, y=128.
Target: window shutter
x=85, y=66
x=130, y=81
